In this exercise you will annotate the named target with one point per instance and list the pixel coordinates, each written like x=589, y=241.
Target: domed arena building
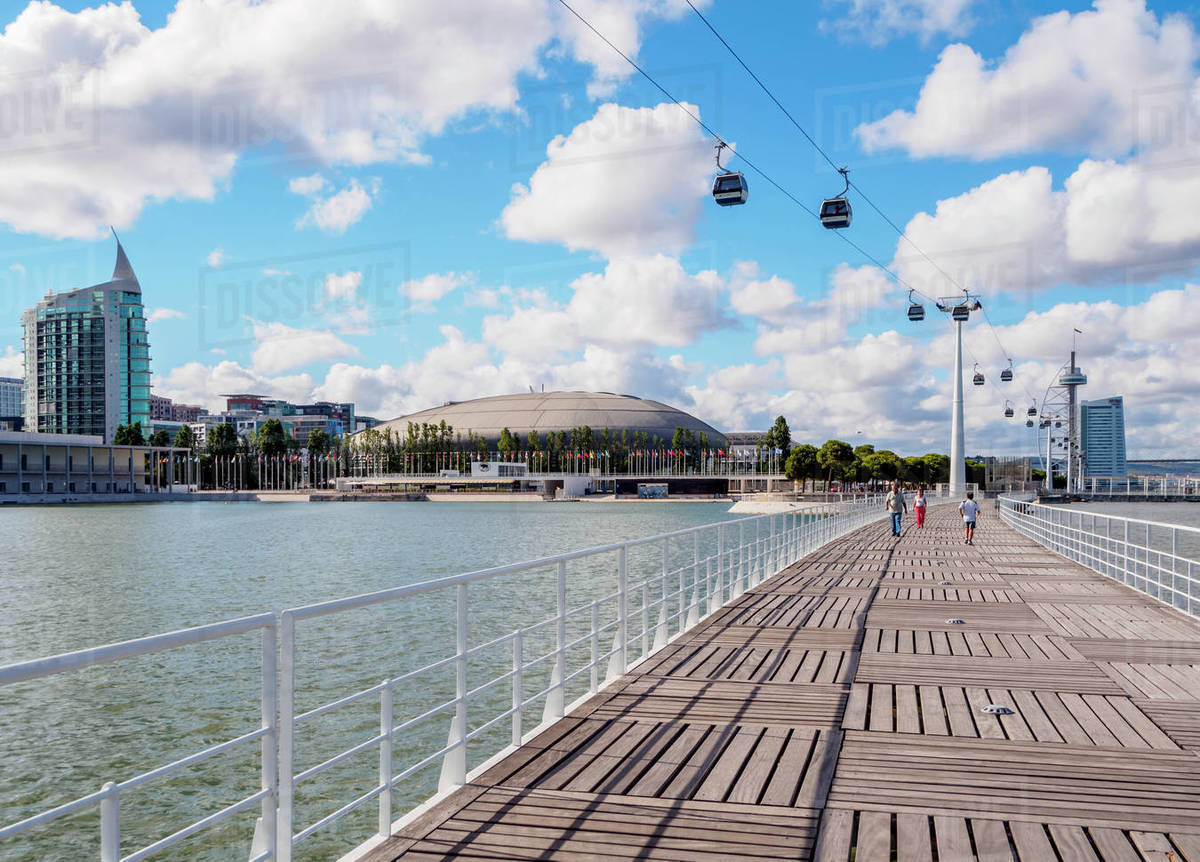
x=546, y=412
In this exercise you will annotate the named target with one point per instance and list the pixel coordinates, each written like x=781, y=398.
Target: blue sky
x=406, y=207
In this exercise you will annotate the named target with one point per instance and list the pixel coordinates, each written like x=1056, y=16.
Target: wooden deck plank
x=831, y=712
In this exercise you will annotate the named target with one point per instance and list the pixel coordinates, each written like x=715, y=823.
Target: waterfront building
x=160, y=407
x=335, y=418
x=186, y=412
x=1102, y=437
x=42, y=468
x=11, y=403
x=546, y=412
x=87, y=358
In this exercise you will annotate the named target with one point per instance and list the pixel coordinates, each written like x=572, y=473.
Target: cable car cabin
x=961, y=312
x=1006, y=375
x=835, y=213
x=1028, y=423
x=1008, y=413
x=916, y=312
x=978, y=378
x=1032, y=411
x=730, y=189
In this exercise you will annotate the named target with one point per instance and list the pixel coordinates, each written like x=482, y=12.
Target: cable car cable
x=737, y=153
x=817, y=147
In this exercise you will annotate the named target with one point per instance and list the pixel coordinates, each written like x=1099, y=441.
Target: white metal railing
x=608, y=607
x=108, y=798
x=1140, y=486
x=1160, y=560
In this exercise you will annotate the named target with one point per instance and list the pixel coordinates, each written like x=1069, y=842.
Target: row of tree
x=422, y=443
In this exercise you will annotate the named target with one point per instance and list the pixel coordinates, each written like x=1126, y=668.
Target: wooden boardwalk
x=834, y=713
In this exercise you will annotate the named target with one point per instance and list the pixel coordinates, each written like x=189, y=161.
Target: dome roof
x=556, y=411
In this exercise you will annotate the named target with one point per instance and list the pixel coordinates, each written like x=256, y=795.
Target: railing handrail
x=317, y=609
x=92, y=656
x=741, y=558
x=1164, y=525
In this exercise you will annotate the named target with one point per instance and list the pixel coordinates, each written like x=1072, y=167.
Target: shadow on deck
x=835, y=713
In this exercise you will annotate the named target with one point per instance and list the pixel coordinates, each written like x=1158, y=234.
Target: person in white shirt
x=970, y=512
x=919, y=505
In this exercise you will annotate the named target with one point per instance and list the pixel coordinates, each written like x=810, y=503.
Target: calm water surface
x=80, y=576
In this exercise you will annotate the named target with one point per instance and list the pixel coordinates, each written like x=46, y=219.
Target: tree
x=801, y=463
x=835, y=455
x=129, y=435
x=507, y=445
x=914, y=470
x=937, y=467
x=780, y=436
x=272, y=440
x=185, y=438
x=222, y=440
x=319, y=441
x=883, y=465
x=161, y=437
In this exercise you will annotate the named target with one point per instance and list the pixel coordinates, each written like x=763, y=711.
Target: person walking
x=895, y=505
x=970, y=511
x=919, y=505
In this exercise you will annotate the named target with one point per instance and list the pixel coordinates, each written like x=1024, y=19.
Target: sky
x=403, y=204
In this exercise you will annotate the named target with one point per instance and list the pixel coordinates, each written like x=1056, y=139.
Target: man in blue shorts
x=970, y=512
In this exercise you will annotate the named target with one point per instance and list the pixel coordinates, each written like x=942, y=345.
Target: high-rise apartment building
x=1102, y=437
x=87, y=358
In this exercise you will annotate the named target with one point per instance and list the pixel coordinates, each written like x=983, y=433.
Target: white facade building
x=1102, y=437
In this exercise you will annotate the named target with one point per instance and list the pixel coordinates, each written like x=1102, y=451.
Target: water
x=1184, y=514
x=80, y=576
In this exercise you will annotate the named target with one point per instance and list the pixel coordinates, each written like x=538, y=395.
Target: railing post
x=454, y=764
x=774, y=565
x=270, y=743
x=623, y=605
x=595, y=642
x=287, y=728
x=555, y=698
x=110, y=824
x=386, y=722
x=720, y=565
x=518, y=680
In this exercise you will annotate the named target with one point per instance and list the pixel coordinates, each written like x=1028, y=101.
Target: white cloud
x=154, y=315
x=1111, y=222
x=1098, y=80
x=343, y=285
x=309, y=185
x=341, y=210
x=168, y=117
x=642, y=302
x=424, y=293
x=216, y=257
x=18, y=268
x=12, y=363
x=628, y=181
x=280, y=347
x=880, y=21
x=196, y=383
x=788, y=321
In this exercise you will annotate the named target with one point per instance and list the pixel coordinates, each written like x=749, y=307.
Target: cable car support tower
x=1060, y=420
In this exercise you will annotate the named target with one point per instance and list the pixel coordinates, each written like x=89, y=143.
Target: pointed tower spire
x=122, y=270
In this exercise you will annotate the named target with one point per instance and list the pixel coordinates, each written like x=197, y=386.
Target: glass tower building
x=87, y=358
x=1102, y=436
